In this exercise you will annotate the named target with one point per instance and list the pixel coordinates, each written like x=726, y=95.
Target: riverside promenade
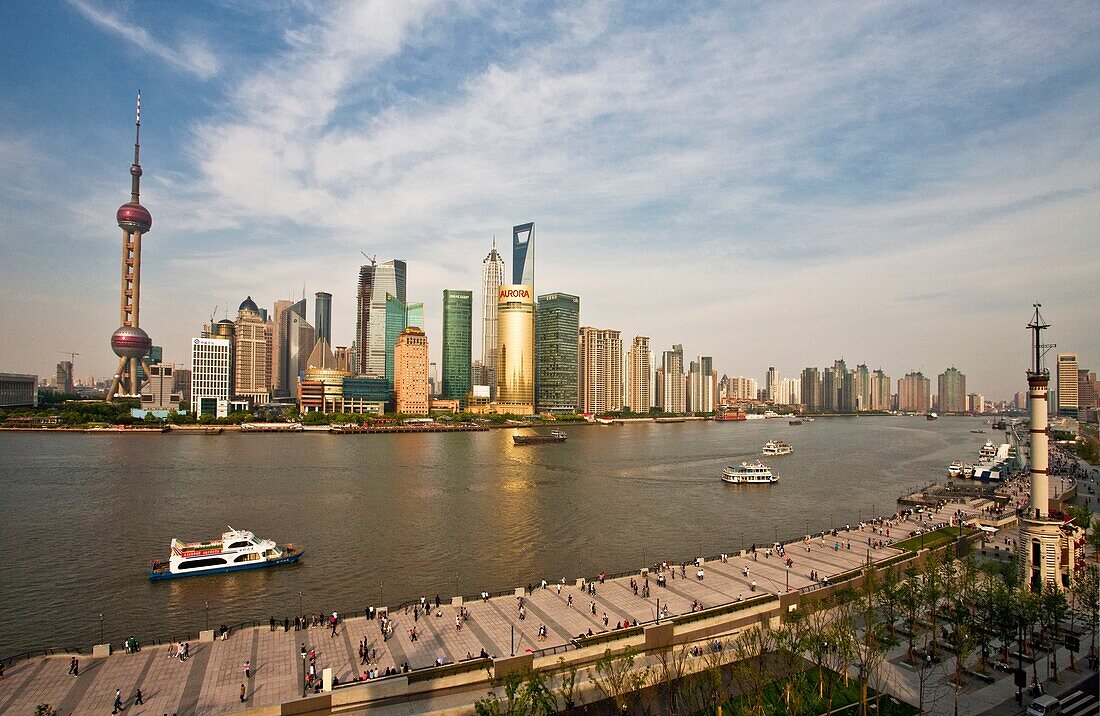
x=209, y=682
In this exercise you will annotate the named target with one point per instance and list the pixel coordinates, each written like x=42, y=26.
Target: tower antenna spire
x=135, y=170
x=1037, y=326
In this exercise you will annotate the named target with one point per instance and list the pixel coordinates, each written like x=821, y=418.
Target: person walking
x=137, y=698
x=118, y=701
x=248, y=669
x=242, y=693
x=74, y=667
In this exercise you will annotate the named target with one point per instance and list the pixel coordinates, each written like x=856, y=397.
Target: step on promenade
x=209, y=681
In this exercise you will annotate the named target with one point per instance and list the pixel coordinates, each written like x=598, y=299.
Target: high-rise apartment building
x=457, y=333
x=811, y=389
x=833, y=387
x=363, y=295
x=1087, y=398
x=861, y=399
x=672, y=398
x=743, y=388
x=914, y=393
x=975, y=403
x=411, y=372
x=389, y=280
x=322, y=316
x=952, y=391
x=210, y=376
x=880, y=391
x=492, y=278
x=523, y=254
x=639, y=372
x=250, y=354
x=516, y=350
x=771, y=383
x=1068, y=385
x=65, y=376
x=600, y=377
x=789, y=392
x=556, y=357
x=702, y=386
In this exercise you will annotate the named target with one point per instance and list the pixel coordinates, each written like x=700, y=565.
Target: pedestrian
x=74, y=667
x=118, y=701
x=248, y=669
x=286, y=624
x=137, y=698
x=242, y=693
x=271, y=621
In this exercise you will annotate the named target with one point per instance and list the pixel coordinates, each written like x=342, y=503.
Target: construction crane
x=72, y=355
x=373, y=259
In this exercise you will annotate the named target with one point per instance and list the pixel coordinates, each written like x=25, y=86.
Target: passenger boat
x=236, y=550
x=749, y=474
x=968, y=471
x=988, y=451
x=555, y=436
x=794, y=422
x=955, y=469
x=777, y=447
x=932, y=416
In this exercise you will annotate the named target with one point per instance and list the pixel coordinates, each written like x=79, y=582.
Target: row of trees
x=955, y=618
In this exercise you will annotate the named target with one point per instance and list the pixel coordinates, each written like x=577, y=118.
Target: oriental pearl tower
x=130, y=343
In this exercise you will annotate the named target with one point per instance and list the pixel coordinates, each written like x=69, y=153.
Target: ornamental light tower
x=130, y=343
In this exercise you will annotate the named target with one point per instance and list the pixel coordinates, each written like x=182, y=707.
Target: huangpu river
x=386, y=518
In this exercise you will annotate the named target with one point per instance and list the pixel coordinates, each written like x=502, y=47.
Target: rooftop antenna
x=1037, y=326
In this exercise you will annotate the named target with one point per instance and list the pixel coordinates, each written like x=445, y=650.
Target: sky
x=769, y=183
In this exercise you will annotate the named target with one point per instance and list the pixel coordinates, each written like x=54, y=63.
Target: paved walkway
x=209, y=682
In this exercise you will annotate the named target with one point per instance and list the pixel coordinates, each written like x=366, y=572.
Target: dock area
x=567, y=610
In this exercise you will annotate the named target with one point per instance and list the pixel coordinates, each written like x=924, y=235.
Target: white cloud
x=189, y=54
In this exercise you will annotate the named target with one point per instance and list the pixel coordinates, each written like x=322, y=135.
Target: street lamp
x=742, y=541
x=303, y=671
x=101, y=627
x=207, y=607
x=788, y=577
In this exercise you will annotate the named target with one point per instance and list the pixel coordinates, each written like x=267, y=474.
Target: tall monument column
x=129, y=342
x=1045, y=548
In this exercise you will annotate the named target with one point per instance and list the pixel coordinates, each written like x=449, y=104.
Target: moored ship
x=754, y=473
x=555, y=436
x=955, y=469
x=236, y=550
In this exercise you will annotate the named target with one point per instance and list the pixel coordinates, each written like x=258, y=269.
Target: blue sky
x=768, y=183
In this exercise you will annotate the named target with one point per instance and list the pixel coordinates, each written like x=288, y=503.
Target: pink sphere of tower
x=130, y=342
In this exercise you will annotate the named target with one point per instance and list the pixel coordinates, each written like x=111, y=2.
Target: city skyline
x=865, y=220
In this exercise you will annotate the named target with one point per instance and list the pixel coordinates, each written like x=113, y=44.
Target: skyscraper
x=556, y=357
x=771, y=383
x=389, y=280
x=914, y=393
x=492, y=277
x=278, y=347
x=862, y=388
x=811, y=389
x=600, y=370
x=639, y=371
x=523, y=254
x=322, y=316
x=411, y=372
x=457, y=330
x=672, y=384
x=880, y=391
x=65, y=377
x=301, y=337
x=397, y=320
x=362, y=316
x=250, y=354
x=952, y=391
x=1068, y=385
x=703, y=386
x=516, y=353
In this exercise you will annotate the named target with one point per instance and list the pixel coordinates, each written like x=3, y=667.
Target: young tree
x=617, y=679
x=1086, y=590
x=671, y=673
x=750, y=667
x=910, y=605
x=1052, y=610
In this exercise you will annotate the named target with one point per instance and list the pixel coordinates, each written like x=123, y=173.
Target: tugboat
x=755, y=473
x=555, y=436
x=236, y=550
x=777, y=447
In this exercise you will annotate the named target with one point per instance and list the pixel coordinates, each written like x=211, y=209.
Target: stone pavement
x=209, y=681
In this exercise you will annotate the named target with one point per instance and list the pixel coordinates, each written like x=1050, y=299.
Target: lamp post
x=206, y=606
x=303, y=672
x=788, y=577
x=101, y=627
x=776, y=534
x=658, y=618
x=742, y=541
x=513, y=639
x=300, y=612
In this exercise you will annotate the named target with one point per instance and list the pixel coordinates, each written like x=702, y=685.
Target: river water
x=411, y=514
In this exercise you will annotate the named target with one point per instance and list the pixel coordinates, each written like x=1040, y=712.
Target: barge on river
x=555, y=436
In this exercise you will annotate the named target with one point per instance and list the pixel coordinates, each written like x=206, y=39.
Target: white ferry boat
x=777, y=447
x=955, y=469
x=749, y=474
x=988, y=451
x=236, y=550
x=968, y=471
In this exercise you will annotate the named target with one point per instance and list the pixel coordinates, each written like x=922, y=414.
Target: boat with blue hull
x=236, y=551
